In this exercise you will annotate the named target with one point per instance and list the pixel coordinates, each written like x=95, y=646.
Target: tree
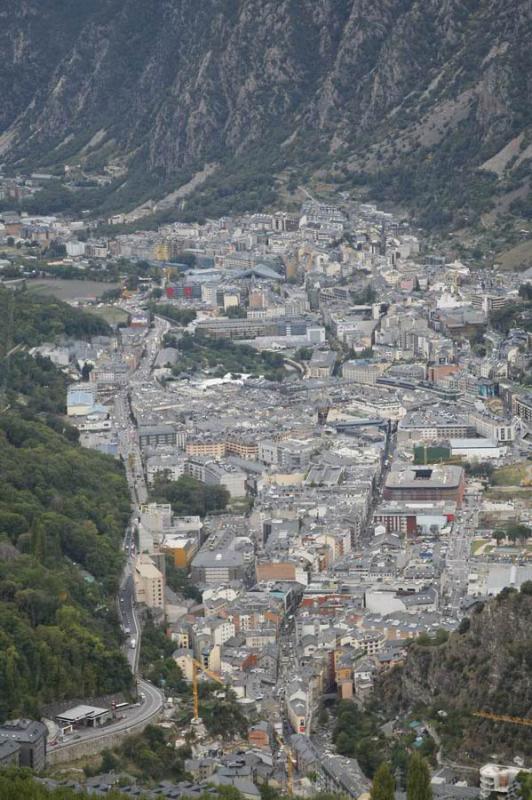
x=516, y=530
x=190, y=496
x=236, y=312
x=525, y=779
x=418, y=779
x=56, y=250
x=344, y=744
x=303, y=354
x=383, y=787
x=499, y=535
x=109, y=761
x=86, y=371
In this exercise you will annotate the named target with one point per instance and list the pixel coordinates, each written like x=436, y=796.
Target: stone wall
x=90, y=747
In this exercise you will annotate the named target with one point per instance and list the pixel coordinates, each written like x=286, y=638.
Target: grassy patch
x=510, y=475
x=477, y=545
x=111, y=314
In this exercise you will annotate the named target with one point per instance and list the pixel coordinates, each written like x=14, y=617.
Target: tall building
x=149, y=582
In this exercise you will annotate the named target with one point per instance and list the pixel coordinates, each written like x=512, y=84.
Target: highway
x=150, y=699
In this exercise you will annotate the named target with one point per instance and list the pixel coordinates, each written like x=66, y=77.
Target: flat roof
x=81, y=712
x=474, y=443
x=437, y=476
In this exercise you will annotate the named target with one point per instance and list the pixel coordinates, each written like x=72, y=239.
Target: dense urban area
x=265, y=508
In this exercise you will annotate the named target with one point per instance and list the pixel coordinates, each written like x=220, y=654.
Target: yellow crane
x=289, y=763
x=197, y=665
x=503, y=718
x=289, y=773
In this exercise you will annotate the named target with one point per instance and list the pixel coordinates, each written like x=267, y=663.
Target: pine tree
x=383, y=786
x=418, y=779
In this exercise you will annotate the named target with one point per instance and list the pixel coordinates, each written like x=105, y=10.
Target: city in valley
x=325, y=427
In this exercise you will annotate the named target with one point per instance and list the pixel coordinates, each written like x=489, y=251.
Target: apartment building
x=205, y=446
x=148, y=582
x=160, y=436
x=491, y=427
x=522, y=407
x=362, y=370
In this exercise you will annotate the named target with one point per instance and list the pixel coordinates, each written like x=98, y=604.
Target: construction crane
x=503, y=718
x=197, y=665
x=289, y=763
x=289, y=773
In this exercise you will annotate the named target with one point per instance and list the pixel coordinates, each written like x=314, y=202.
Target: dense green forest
x=62, y=514
x=182, y=316
x=60, y=506
x=30, y=319
x=190, y=496
x=36, y=386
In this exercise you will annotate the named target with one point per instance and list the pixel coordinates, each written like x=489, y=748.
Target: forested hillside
x=485, y=666
x=29, y=319
x=62, y=514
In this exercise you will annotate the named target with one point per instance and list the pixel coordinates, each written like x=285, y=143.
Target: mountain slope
x=381, y=88
x=486, y=666
x=63, y=510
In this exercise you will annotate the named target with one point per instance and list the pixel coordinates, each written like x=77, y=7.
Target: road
x=130, y=451
x=151, y=700
x=135, y=715
x=458, y=556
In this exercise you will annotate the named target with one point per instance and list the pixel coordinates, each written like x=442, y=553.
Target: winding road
x=150, y=699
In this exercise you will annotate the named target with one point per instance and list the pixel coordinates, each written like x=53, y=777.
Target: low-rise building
x=31, y=737
x=321, y=364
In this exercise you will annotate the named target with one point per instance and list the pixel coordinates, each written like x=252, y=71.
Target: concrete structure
x=404, y=517
x=493, y=427
x=84, y=716
x=522, y=407
x=361, y=370
x=223, y=558
x=9, y=753
x=81, y=399
x=227, y=476
x=476, y=449
x=159, y=435
x=438, y=482
x=321, y=364
x=498, y=779
x=181, y=547
x=31, y=737
x=149, y=582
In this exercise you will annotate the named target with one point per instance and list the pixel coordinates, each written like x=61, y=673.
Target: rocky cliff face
x=487, y=667
x=179, y=82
